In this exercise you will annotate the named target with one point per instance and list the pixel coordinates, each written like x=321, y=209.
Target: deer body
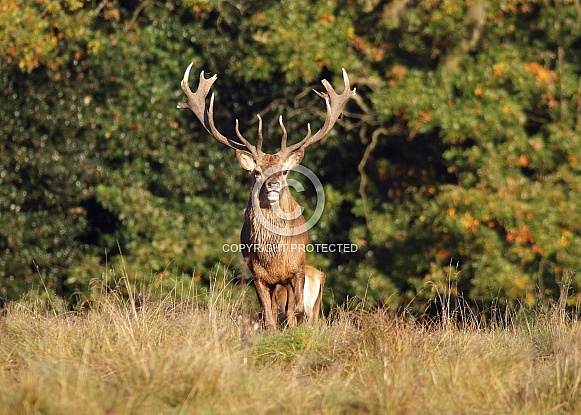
x=274, y=231
x=270, y=259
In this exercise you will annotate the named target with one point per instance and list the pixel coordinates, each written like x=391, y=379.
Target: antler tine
x=334, y=104
x=196, y=102
x=259, y=143
x=254, y=150
x=308, y=131
x=284, y=134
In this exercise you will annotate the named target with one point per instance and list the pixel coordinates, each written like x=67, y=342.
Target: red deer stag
x=274, y=233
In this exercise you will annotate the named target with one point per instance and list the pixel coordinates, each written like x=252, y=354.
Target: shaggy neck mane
x=271, y=215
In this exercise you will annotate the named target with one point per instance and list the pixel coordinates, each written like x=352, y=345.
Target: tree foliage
x=461, y=150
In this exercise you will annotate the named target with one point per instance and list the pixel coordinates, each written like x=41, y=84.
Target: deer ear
x=246, y=160
x=294, y=159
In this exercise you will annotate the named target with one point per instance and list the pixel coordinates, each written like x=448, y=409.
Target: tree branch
x=361, y=169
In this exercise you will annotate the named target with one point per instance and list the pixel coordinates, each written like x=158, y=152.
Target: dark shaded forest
x=458, y=162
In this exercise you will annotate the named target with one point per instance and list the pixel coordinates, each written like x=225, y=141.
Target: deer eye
x=285, y=172
x=256, y=174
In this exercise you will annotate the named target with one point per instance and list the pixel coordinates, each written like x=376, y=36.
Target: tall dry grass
x=128, y=354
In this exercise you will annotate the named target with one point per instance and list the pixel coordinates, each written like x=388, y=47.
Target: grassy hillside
x=125, y=354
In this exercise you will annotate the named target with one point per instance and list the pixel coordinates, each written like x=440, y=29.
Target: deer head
x=268, y=170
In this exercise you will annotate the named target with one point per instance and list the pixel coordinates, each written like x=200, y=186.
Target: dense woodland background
x=461, y=154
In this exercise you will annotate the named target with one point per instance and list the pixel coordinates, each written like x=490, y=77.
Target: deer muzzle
x=273, y=191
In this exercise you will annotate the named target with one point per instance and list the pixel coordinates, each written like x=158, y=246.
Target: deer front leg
x=279, y=301
x=296, y=311
x=266, y=304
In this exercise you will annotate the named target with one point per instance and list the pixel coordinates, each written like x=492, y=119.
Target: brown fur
x=312, y=295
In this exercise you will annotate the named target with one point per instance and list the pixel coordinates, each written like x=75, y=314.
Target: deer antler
x=334, y=104
x=196, y=102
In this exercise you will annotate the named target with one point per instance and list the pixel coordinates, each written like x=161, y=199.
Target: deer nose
x=274, y=185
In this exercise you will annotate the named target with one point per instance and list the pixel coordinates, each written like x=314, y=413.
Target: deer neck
x=266, y=219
